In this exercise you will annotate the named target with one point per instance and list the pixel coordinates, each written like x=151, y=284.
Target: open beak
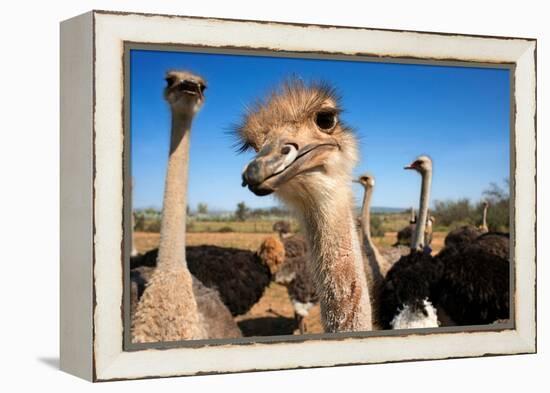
x=191, y=87
x=279, y=162
x=410, y=166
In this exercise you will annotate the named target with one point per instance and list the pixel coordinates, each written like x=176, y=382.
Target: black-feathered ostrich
x=405, y=235
x=468, y=233
x=239, y=276
x=405, y=299
x=469, y=284
x=295, y=273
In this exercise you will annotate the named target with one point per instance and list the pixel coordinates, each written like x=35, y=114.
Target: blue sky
x=457, y=115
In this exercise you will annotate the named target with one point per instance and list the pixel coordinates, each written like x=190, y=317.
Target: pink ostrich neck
x=374, y=259
x=172, y=230
x=337, y=264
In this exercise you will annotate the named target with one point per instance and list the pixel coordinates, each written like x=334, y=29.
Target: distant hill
x=224, y=212
x=382, y=209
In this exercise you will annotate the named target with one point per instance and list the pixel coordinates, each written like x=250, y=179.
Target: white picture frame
x=92, y=195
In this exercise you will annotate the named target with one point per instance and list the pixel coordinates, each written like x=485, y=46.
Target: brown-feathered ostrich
x=282, y=228
x=305, y=155
x=469, y=284
x=295, y=273
x=173, y=305
x=239, y=276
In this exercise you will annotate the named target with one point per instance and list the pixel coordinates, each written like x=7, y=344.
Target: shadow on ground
x=52, y=362
x=267, y=326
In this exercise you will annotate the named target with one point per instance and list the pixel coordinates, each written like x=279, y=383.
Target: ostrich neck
x=484, y=222
x=337, y=263
x=172, y=230
x=374, y=259
x=419, y=241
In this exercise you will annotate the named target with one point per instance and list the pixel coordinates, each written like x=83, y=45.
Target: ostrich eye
x=202, y=87
x=170, y=80
x=325, y=120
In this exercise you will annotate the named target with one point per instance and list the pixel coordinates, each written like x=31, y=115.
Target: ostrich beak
x=191, y=87
x=410, y=166
x=279, y=162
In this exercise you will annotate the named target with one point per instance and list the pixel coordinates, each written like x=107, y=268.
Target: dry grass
x=248, y=226
x=438, y=240
x=250, y=241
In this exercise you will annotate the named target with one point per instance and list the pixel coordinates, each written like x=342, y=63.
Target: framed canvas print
x=244, y=195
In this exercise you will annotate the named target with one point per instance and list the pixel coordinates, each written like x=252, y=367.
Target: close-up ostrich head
x=184, y=91
x=303, y=148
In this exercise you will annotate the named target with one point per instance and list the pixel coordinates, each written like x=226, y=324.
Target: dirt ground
x=273, y=314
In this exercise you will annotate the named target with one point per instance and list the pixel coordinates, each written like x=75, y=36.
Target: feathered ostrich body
x=239, y=276
x=296, y=273
x=466, y=234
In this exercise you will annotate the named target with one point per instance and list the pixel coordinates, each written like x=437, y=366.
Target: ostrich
x=462, y=236
x=295, y=274
x=405, y=300
x=380, y=261
x=405, y=235
x=466, y=234
x=282, y=228
x=239, y=276
x=173, y=305
x=466, y=283
x=483, y=227
x=496, y=243
x=305, y=155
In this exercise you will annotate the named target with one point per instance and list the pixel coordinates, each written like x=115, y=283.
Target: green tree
x=202, y=208
x=242, y=211
x=498, y=215
x=454, y=213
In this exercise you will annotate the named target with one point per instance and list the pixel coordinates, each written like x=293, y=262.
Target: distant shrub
x=453, y=214
x=225, y=229
x=242, y=211
x=152, y=226
x=498, y=217
x=376, y=229
x=147, y=220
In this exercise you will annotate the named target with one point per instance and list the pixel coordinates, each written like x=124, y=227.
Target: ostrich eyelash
x=243, y=147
